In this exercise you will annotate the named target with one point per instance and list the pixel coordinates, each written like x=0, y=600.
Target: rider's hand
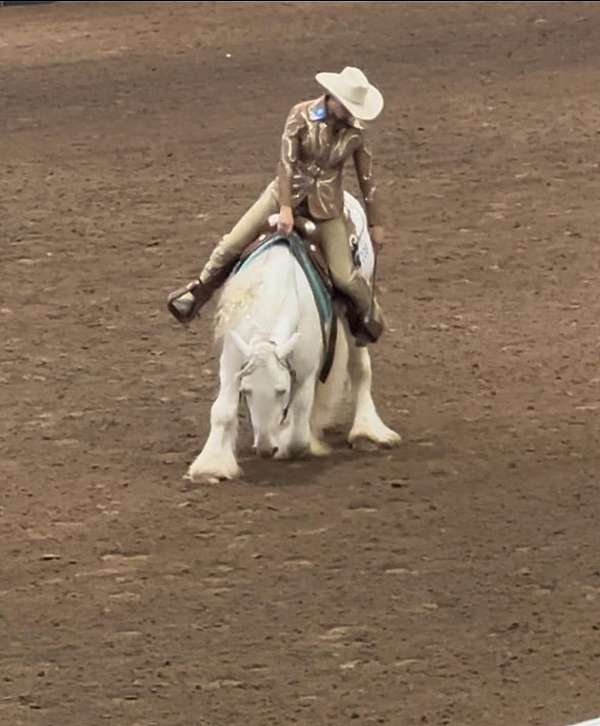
x=286, y=220
x=377, y=237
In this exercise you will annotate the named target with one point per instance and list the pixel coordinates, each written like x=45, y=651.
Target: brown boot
x=185, y=303
x=367, y=329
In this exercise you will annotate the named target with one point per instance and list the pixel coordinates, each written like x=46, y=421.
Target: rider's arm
x=290, y=144
x=363, y=161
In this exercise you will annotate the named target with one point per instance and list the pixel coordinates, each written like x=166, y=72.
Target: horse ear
x=240, y=344
x=284, y=349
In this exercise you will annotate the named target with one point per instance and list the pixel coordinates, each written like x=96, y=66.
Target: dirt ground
x=455, y=580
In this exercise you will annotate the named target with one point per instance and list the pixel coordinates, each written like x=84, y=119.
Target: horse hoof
x=199, y=476
x=363, y=443
x=319, y=448
x=385, y=440
x=299, y=451
x=392, y=441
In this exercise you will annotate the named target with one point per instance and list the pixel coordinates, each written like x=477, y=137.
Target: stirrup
x=185, y=302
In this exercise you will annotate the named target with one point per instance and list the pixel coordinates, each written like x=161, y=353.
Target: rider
x=318, y=138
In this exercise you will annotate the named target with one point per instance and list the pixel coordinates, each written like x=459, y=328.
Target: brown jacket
x=314, y=149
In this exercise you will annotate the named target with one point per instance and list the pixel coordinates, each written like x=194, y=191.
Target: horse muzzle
x=265, y=447
x=266, y=452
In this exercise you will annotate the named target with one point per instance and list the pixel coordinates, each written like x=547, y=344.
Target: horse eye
x=280, y=392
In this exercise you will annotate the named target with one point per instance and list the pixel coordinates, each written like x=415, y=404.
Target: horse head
x=266, y=382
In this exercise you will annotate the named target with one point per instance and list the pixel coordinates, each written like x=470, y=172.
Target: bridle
x=251, y=364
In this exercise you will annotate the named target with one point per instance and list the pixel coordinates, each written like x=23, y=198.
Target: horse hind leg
x=330, y=396
x=367, y=422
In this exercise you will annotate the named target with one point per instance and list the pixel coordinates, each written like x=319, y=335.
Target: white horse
x=272, y=353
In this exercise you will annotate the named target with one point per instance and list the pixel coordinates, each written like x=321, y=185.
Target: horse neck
x=276, y=309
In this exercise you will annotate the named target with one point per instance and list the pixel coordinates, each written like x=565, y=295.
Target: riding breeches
x=245, y=231
x=333, y=235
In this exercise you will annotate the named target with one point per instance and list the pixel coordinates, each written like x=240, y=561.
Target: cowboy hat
x=353, y=90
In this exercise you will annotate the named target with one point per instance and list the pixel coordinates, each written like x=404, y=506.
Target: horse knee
x=223, y=412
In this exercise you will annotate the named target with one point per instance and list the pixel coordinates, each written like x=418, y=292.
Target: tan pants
x=245, y=231
x=333, y=234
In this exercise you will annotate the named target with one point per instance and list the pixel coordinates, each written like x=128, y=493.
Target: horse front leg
x=296, y=437
x=367, y=422
x=217, y=459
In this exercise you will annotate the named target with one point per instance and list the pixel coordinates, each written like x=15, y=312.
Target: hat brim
x=366, y=111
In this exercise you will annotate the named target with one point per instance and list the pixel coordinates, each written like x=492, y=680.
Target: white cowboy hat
x=353, y=90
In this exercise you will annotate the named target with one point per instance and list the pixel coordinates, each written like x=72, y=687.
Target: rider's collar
x=318, y=112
